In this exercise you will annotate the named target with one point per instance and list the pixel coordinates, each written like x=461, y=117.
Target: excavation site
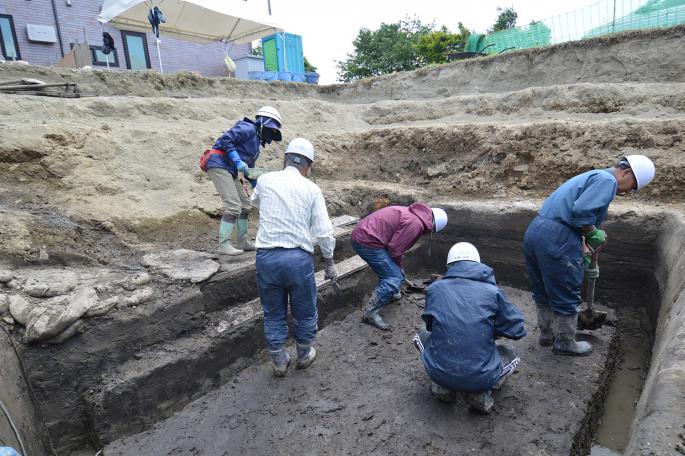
x=124, y=333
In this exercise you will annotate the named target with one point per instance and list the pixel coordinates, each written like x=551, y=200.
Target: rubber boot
x=225, y=247
x=370, y=315
x=565, y=337
x=281, y=360
x=441, y=393
x=483, y=402
x=243, y=242
x=305, y=356
x=545, y=318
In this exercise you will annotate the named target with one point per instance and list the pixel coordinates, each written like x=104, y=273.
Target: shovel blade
x=591, y=319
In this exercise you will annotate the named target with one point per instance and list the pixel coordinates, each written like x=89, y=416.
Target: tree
x=257, y=50
x=389, y=49
x=434, y=46
x=506, y=19
x=308, y=67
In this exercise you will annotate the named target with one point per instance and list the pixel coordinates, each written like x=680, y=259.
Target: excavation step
x=367, y=393
x=63, y=375
x=162, y=379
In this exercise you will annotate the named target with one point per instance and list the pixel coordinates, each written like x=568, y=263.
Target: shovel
x=590, y=318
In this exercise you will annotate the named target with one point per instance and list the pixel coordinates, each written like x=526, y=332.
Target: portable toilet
x=273, y=49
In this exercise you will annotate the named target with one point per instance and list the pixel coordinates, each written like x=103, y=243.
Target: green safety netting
x=604, y=17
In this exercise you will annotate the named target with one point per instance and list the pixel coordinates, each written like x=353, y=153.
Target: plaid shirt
x=291, y=210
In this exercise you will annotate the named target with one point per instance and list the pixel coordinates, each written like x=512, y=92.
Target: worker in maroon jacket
x=381, y=239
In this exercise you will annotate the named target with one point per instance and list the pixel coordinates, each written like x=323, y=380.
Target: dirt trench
x=90, y=186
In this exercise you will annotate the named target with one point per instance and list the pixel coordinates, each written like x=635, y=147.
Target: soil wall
x=15, y=397
x=658, y=425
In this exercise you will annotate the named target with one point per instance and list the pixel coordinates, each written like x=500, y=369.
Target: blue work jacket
x=243, y=138
x=582, y=200
x=464, y=312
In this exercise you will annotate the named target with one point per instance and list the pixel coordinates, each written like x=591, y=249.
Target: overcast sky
x=328, y=28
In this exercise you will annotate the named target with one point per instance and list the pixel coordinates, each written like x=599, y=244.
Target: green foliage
x=389, y=49
x=506, y=19
x=403, y=46
x=308, y=67
x=257, y=50
x=433, y=47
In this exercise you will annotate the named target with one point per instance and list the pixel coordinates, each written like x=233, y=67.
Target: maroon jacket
x=395, y=228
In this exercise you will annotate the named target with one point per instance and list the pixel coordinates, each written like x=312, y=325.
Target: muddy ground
x=367, y=393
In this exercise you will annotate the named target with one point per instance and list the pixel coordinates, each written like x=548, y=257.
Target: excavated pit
x=164, y=365
x=196, y=353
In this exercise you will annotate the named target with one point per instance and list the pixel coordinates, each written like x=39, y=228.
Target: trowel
x=590, y=318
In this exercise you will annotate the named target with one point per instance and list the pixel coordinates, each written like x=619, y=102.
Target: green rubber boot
x=243, y=242
x=225, y=247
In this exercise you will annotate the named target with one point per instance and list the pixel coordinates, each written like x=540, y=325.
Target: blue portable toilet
x=273, y=46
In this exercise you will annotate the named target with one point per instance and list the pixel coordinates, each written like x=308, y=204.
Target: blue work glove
x=595, y=238
x=239, y=164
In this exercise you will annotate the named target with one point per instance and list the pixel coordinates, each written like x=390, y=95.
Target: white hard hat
x=270, y=112
x=302, y=147
x=463, y=251
x=440, y=218
x=643, y=168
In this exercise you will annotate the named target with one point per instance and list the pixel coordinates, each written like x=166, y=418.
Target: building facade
x=42, y=31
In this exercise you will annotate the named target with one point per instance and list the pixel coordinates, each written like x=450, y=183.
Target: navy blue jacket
x=243, y=138
x=464, y=312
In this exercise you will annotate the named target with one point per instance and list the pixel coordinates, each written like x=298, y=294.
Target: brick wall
x=177, y=55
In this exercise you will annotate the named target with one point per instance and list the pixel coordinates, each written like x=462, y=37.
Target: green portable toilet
x=270, y=51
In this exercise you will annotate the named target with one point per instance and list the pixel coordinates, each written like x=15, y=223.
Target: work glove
x=329, y=269
x=587, y=260
x=596, y=237
x=592, y=273
x=239, y=164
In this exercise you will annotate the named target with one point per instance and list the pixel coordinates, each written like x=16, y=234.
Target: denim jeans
x=287, y=275
x=389, y=274
x=554, y=262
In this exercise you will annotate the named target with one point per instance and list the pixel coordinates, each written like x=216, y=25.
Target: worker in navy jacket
x=465, y=311
x=236, y=151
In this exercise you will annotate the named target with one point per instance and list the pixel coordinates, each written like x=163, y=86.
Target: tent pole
x=285, y=61
x=159, y=55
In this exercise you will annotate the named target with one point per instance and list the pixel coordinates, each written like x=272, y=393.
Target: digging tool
x=590, y=318
x=335, y=285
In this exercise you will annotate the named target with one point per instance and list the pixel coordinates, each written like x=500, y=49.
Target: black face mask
x=267, y=135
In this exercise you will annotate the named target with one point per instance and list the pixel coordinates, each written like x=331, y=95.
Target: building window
x=101, y=59
x=8, y=38
x=135, y=50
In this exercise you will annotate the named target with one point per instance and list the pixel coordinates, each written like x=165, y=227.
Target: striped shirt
x=291, y=210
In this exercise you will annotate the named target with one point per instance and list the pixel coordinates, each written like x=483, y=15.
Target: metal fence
x=601, y=18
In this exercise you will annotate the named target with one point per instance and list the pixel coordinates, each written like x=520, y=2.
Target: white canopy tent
x=199, y=21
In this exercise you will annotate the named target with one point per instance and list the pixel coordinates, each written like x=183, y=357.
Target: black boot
x=371, y=316
x=545, y=318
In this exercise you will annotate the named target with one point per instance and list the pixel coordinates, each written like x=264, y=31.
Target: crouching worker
x=464, y=313
x=290, y=208
x=553, y=246
x=236, y=151
x=381, y=239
